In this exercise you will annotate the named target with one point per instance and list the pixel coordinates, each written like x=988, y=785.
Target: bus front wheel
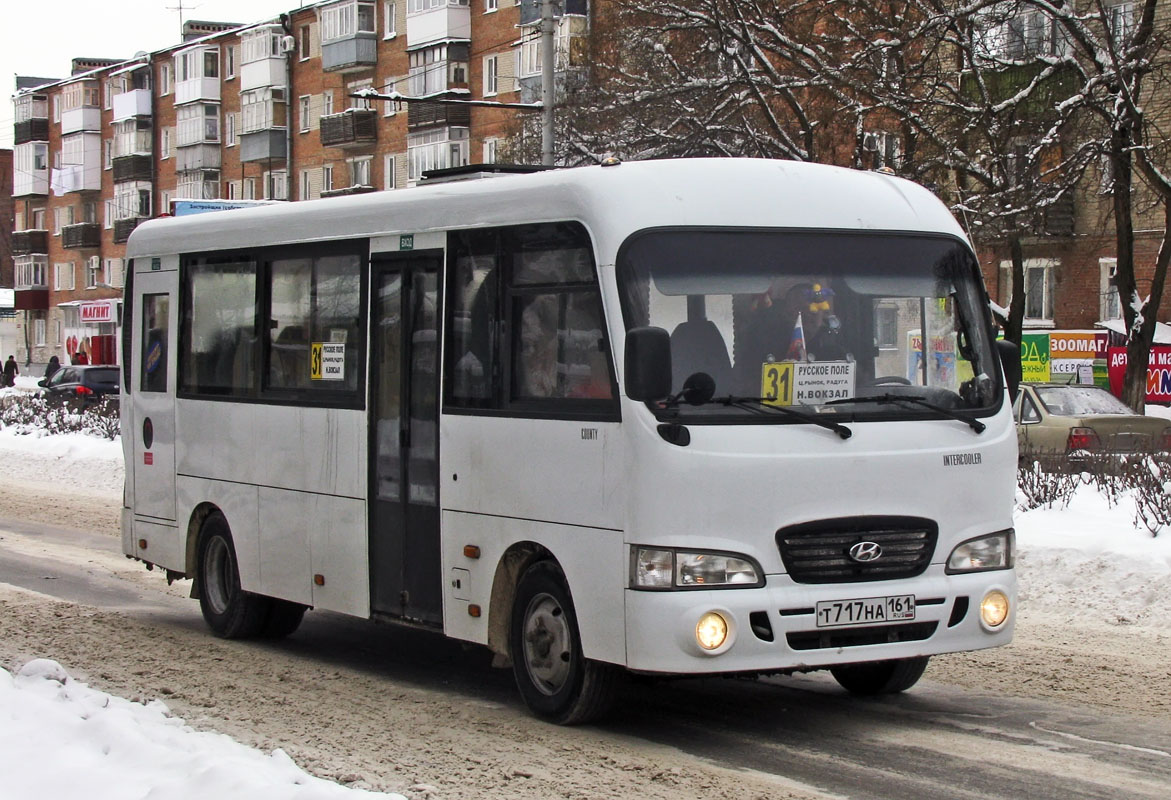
x=231, y=612
x=880, y=677
x=556, y=681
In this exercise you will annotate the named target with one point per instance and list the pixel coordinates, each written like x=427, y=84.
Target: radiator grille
x=820, y=552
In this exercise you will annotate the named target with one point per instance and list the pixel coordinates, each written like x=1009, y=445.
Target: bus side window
x=473, y=296
x=155, y=327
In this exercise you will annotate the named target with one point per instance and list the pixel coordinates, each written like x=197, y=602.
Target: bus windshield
x=832, y=319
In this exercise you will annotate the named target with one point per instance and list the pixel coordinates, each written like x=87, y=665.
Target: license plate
x=865, y=611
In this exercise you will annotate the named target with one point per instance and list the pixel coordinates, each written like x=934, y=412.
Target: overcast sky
x=41, y=37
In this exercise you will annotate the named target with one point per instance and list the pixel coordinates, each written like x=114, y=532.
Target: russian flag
x=797, y=343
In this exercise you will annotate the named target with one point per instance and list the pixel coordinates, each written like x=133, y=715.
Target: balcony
x=29, y=242
x=348, y=191
x=262, y=73
x=30, y=299
x=133, y=168
x=79, y=120
x=263, y=145
x=357, y=127
x=424, y=115
x=83, y=234
x=135, y=103
x=441, y=24
x=1059, y=217
x=200, y=156
x=31, y=130
x=124, y=227
x=350, y=54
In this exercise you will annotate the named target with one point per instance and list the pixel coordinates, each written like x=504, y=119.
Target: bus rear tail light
x=1082, y=439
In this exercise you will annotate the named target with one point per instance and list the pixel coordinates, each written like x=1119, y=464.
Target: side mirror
x=43, y=382
x=648, y=364
x=1010, y=360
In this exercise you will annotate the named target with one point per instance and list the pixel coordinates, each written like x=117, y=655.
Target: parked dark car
x=87, y=385
x=1069, y=424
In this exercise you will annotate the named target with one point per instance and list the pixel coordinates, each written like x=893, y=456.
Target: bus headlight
x=994, y=609
x=711, y=631
x=994, y=551
x=660, y=568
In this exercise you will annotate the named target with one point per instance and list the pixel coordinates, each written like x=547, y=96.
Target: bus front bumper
x=775, y=627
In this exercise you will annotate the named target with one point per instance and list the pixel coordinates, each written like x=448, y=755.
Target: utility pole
x=547, y=84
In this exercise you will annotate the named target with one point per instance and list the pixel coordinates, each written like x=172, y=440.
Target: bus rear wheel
x=880, y=677
x=556, y=681
x=231, y=612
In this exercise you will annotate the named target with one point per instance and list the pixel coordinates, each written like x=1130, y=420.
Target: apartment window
x=490, y=5
x=89, y=212
x=83, y=94
x=390, y=107
x=229, y=130
x=261, y=44
x=166, y=144
x=38, y=219
x=346, y=19
x=94, y=272
x=231, y=189
x=1007, y=34
x=58, y=214
x=360, y=172
x=276, y=185
x=164, y=79
x=327, y=177
x=108, y=214
x=327, y=102
x=229, y=62
x=198, y=184
x=114, y=272
x=39, y=330
x=490, y=146
x=165, y=202
x=303, y=112
x=107, y=154
x=132, y=136
x=1120, y=18
x=491, y=75
x=886, y=327
x=1039, y=288
x=880, y=149
x=197, y=63
x=249, y=188
x=306, y=41
x=304, y=186
x=1110, y=307
x=389, y=20
x=388, y=167
x=63, y=276
x=357, y=86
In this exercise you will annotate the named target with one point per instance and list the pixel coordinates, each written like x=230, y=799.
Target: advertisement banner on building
x=1158, y=373
x=1071, y=352
x=1035, y=357
x=97, y=311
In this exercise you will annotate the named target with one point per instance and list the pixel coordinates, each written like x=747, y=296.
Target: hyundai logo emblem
x=864, y=552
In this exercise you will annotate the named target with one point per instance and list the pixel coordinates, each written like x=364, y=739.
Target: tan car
x=1068, y=424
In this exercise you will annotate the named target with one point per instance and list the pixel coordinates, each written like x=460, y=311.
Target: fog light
x=994, y=609
x=711, y=631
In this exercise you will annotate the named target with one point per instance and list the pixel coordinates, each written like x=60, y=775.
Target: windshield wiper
x=763, y=403
x=971, y=421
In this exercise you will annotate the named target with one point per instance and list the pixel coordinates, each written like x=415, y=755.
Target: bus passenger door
x=152, y=399
x=404, y=416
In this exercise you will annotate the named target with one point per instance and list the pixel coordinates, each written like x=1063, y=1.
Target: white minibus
x=681, y=417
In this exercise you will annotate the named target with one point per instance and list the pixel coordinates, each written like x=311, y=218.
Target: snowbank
x=62, y=739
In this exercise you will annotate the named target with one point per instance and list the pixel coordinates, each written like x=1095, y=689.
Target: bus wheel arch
x=191, y=555
x=556, y=680
x=229, y=611
x=512, y=564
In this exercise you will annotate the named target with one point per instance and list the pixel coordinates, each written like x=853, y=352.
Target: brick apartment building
x=250, y=112
x=265, y=112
